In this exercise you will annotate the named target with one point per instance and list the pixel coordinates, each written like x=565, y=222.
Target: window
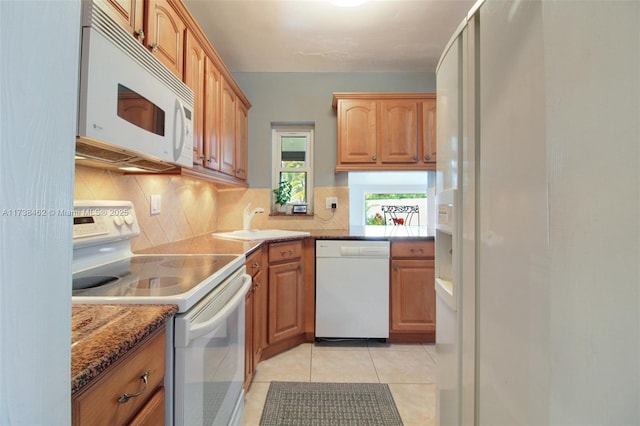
x=293, y=162
x=391, y=198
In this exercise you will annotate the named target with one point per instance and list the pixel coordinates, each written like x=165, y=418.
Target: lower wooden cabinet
x=412, y=310
x=256, y=314
x=285, y=310
x=286, y=291
x=103, y=402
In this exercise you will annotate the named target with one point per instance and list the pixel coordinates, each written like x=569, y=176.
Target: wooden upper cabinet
x=128, y=13
x=212, y=84
x=384, y=131
x=165, y=34
x=398, y=137
x=234, y=122
x=194, y=77
x=242, y=127
x=357, y=136
x=227, y=129
x=429, y=143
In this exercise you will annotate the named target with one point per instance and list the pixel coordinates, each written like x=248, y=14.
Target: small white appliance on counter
x=352, y=289
x=133, y=111
x=205, y=343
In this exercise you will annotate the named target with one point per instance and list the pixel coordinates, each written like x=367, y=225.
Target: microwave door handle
x=177, y=148
x=201, y=329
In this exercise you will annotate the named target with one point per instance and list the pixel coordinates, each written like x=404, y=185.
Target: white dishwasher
x=352, y=289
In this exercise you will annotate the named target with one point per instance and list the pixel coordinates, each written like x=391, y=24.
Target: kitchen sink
x=260, y=234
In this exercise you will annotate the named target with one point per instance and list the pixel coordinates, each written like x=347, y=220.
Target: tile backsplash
x=190, y=207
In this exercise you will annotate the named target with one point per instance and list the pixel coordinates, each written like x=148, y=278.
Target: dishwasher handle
x=364, y=251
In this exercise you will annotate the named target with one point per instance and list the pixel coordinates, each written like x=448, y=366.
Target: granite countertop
x=210, y=244
x=375, y=233
x=102, y=334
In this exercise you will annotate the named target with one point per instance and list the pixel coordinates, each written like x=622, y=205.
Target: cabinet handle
x=154, y=47
x=255, y=265
x=127, y=396
x=139, y=34
x=285, y=252
x=300, y=267
x=395, y=267
x=415, y=158
x=427, y=157
x=421, y=250
x=374, y=158
x=202, y=157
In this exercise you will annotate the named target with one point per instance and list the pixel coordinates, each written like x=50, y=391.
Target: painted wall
x=306, y=97
x=38, y=110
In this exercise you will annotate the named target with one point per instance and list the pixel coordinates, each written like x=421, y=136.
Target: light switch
x=155, y=204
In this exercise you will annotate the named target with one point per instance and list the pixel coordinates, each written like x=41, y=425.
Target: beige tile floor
x=409, y=369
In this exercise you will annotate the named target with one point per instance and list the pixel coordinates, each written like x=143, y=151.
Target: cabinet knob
x=415, y=158
x=374, y=158
x=427, y=157
x=127, y=396
x=395, y=266
x=154, y=47
x=255, y=265
x=301, y=267
x=139, y=34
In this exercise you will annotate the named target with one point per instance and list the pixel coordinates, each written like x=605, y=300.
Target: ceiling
x=317, y=36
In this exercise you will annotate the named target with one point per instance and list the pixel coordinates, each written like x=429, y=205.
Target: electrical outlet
x=331, y=202
x=155, y=204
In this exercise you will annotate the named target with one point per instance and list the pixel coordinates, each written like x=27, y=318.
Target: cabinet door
x=227, y=129
x=165, y=34
x=241, y=139
x=211, y=141
x=127, y=13
x=429, y=131
x=248, y=337
x=286, y=301
x=413, y=296
x=259, y=316
x=398, y=128
x=194, y=73
x=357, y=131
x=153, y=411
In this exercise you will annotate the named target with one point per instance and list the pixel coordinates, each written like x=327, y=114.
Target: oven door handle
x=201, y=329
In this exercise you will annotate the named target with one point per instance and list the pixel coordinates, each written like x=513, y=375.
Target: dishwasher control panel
x=353, y=248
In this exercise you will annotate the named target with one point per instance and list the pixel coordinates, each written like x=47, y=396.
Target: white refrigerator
x=538, y=228
x=456, y=226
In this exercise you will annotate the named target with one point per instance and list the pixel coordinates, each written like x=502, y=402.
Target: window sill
x=294, y=215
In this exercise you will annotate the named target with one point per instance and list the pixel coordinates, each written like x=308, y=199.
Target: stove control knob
x=128, y=219
x=118, y=221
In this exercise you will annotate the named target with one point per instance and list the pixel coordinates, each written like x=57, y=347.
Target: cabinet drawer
x=412, y=249
x=254, y=262
x=285, y=251
x=98, y=405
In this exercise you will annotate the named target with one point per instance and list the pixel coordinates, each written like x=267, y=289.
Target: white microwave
x=133, y=112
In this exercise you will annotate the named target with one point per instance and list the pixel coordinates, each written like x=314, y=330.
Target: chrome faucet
x=248, y=215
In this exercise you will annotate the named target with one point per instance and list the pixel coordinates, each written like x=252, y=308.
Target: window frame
x=277, y=131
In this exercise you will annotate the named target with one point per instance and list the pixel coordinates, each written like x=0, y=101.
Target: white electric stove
x=205, y=342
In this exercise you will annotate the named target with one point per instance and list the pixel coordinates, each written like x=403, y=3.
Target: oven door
x=209, y=356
